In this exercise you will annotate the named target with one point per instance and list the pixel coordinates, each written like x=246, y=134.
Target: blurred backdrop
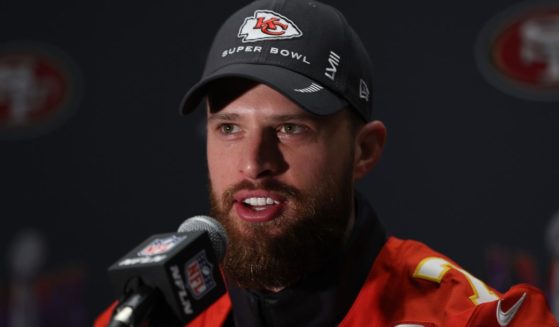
x=94, y=156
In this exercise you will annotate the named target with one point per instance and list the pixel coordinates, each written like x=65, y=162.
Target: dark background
x=467, y=169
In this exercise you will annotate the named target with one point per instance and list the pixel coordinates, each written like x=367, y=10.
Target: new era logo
x=363, y=90
x=268, y=25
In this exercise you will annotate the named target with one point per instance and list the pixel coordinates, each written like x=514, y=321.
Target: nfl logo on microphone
x=160, y=246
x=199, y=276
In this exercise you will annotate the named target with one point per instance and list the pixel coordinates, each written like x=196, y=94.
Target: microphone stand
x=135, y=308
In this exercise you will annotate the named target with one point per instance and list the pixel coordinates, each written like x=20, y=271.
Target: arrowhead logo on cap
x=268, y=25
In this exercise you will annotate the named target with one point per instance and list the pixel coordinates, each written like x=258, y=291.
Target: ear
x=369, y=143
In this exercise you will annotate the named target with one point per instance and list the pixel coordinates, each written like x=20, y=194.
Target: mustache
x=282, y=189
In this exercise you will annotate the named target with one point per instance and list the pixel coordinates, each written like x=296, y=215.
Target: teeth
x=260, y=202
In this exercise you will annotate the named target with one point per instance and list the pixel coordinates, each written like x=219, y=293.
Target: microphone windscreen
x=215, y=230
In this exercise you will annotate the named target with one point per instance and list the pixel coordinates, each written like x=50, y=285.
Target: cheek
x=310, y=166
x=332, y=155
x=220, y=167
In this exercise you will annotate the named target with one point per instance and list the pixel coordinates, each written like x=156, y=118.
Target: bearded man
x=286, y=89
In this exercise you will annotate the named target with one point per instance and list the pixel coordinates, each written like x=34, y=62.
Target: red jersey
x=412, y=285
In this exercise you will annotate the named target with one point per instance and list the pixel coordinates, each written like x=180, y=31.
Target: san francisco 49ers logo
x=40, y=87
x=518, y=50
x=268, y=25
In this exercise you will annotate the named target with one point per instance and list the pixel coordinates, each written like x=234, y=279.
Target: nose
x=262, y=156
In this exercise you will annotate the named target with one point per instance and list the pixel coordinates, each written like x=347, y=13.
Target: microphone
x=170, y=278
x=216, y=232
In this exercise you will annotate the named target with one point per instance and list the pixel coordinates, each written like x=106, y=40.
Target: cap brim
x=302, y=90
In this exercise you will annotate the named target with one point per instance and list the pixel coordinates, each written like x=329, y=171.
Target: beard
x=278, y=253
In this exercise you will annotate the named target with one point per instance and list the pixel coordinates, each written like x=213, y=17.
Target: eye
x=228, y=128
x=292, y=129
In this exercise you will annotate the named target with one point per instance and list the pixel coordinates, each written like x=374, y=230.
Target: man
x=287, y=93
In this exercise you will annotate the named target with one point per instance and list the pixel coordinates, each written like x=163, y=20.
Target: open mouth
x=259, y=203
x=258, y=206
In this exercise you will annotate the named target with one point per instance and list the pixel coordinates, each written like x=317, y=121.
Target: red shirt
x=411, y=285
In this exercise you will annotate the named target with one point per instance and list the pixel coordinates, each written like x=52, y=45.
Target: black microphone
x=170, y=278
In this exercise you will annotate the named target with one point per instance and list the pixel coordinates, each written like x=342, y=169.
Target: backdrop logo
x=518, y=51
x=267, y=25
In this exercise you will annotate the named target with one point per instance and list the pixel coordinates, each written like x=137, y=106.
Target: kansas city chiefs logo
x=268, y=25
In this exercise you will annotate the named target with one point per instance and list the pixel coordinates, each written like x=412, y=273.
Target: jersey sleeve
x=412, y=285
x=523, y=305
x=468, y=301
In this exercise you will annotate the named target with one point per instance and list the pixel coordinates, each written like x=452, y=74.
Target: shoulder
x=407, y=259
x=414, y=284
x=416, y=268
x=521, y=305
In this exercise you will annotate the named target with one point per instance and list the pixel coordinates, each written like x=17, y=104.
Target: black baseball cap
x=304, y=49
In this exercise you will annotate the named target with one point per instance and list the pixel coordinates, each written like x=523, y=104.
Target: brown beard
x=279, y=253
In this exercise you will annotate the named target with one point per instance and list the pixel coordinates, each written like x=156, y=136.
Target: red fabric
x=392, y=295
x=214, y=315
x=533, y=312
x=105, y=317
